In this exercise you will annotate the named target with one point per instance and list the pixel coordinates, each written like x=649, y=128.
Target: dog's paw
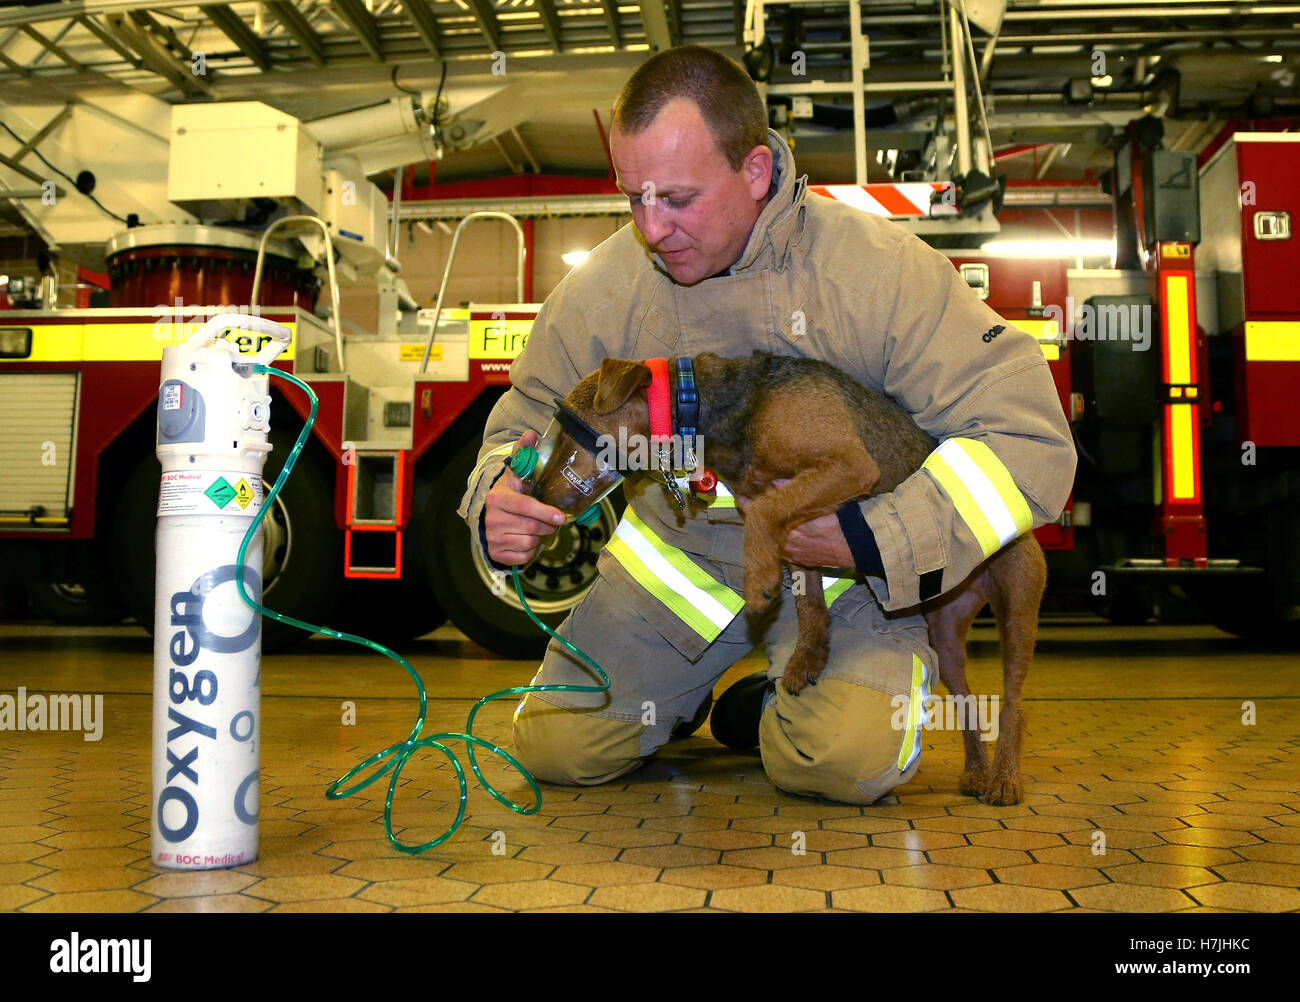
x=973, y=783
x=761, y=592
x=1003, y=791
x=802, y=671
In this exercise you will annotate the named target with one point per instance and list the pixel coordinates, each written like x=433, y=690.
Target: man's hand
x=516, y=524
x=816, y=543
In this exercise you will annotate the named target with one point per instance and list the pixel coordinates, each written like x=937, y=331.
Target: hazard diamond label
x=221, y=492
x=243, y=493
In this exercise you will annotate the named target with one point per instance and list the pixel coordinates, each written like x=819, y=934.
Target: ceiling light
x=574, y=258
x=1049, y=248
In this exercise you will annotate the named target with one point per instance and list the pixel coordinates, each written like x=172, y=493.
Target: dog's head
x=614, y=397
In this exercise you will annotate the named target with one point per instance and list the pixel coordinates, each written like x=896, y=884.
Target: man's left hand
x=816, y=543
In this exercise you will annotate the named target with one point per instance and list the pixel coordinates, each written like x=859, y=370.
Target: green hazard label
x=220, y=492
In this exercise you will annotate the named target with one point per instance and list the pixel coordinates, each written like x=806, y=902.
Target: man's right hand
x=517, y=524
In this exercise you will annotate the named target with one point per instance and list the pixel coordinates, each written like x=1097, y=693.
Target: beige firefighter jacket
x=821, y=279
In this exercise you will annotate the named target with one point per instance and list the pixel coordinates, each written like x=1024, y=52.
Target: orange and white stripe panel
x=898, y=201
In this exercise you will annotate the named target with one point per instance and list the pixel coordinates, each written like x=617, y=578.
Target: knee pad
x=571, y=748
x=835, y=740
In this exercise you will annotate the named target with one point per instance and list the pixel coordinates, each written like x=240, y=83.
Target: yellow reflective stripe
x=981, y=490
x=915, y=716
x=50, y=342
x=1042, y=330
x=1181, y=428
x=500, y=450
x=705, y=605
x=126, y=342
x=1273, y=340
x=833, y=588
x=722, y=498
x=1178, y=340
x=965, y=504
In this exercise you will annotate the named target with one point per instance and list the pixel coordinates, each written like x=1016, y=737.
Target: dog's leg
x=817, y=490
x=949, y=621
x=813, y=648
x=1019, y=576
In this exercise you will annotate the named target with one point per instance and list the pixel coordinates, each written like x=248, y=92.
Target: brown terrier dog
x=769, y=417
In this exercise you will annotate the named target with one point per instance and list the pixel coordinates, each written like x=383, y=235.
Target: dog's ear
x=619, y=379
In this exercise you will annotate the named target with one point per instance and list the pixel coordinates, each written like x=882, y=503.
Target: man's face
x=688, y=203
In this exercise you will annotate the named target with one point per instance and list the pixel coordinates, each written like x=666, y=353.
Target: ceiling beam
x=655, y=20
x=22, y=71
x=156, y=57
x=109, y=39
x=44, y=131
x=611, y=22
x=675, y=20
x=234, y=28
x=550, y=21
x=357, y=18
x=48, y=46
x=291, y=18
x=425, y=23
x=487, y=23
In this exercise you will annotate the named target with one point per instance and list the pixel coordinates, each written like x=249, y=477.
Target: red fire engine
x=1188, y=475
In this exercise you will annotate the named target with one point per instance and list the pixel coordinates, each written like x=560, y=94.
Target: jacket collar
x=779, y=225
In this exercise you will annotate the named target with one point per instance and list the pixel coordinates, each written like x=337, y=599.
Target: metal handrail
x=329, y=260
x=451, y=257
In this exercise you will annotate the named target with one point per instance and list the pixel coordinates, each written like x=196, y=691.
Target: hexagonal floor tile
x=768, y=898
x=1010, y=898
x=306, y=888
x=531, y=894
x=648, y=897
x=936, y=876
x=890, y=898
x=714, y=877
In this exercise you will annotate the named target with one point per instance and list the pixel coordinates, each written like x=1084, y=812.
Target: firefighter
x=729, y=254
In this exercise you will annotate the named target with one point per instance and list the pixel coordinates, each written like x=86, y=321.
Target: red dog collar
x=661, y=408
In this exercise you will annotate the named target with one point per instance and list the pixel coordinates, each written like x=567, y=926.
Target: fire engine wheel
x=302, y=557
x=71, y=603
x=392, y=613
x=464, y=583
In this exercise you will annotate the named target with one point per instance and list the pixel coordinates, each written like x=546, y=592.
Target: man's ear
x=619, y=379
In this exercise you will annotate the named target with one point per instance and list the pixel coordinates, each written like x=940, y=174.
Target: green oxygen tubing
x=394, y=758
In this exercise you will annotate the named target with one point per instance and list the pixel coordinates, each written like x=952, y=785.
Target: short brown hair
x=720, y=88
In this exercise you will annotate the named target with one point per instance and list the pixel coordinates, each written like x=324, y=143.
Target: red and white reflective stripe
x=896, y=200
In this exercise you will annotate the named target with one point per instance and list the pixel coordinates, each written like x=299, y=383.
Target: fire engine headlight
x=15, y=342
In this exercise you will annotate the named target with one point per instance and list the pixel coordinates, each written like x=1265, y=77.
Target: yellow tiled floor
x=1134, y=737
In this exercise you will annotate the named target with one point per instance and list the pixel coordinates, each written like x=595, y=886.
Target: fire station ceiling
x=536, y=76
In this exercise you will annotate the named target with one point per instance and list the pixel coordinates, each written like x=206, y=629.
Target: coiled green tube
x=395, y=757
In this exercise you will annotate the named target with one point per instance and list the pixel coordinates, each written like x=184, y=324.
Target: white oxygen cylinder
x=213, y=420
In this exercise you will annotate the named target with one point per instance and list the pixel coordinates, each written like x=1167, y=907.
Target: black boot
x=736, y=713
x=685, y=728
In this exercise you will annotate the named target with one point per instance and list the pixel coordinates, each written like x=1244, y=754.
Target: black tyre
x=463, y=581
x=1244, y=608
x=71, y=604
x=302, y=564
x=393, y=613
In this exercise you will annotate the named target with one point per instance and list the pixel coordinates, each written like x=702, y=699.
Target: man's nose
x=655, y=226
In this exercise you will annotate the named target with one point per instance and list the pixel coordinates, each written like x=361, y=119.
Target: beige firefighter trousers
x=845, y=738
